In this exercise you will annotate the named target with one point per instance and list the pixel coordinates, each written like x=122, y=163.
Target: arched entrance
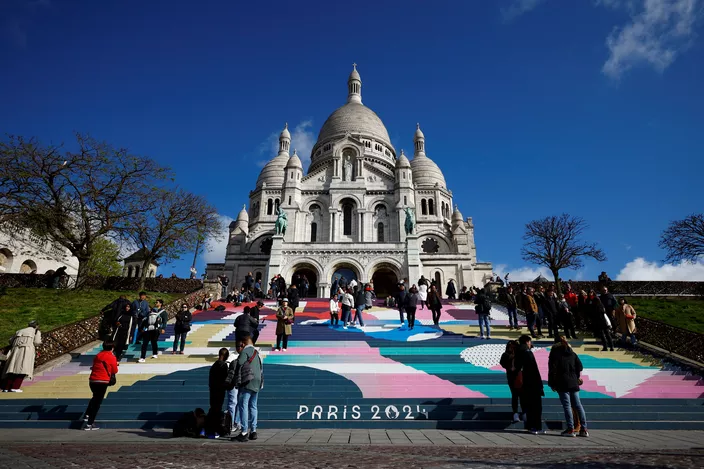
x=28, y=267
x=344, y=274
x=311, y=275
x=385, y=282
x=6, y=258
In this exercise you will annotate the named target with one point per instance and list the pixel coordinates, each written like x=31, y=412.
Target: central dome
x=355, y=118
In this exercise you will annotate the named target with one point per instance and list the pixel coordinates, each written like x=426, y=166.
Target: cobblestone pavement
x=309, y=449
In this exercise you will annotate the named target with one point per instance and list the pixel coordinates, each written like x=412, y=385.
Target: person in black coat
x=216, y=385
x=564, y=369
x=245, y=325
x=122, y=328
x=450, y=291
x=550, y=311
x=507, y=362
x=401, y=301
x=181, y=328
x=600, y=323
x=531, y=389
x=293, y=298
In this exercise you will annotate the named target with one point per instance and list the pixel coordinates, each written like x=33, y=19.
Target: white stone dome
x=357, y=119
x=273, y=172
x=426, y=173
x=243, y=215
x=294, y=161
x=402, y=161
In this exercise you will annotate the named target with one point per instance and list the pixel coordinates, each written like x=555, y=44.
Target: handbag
x=113, y=378
x=518, y=381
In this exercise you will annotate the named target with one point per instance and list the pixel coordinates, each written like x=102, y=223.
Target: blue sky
x=530, y=107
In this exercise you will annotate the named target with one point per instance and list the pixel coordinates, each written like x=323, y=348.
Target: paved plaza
x=303, y=449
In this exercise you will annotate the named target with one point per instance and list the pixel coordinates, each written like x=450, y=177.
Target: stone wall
x=64, y=339
x=163, y=285
x=630, y=287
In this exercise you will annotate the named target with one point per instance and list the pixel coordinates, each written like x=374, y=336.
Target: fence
x=162, y=285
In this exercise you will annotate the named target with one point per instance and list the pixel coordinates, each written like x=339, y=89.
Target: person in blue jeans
x=181, y=328
x=248, y=393
x=511, y=306
x=483, y=309
x=564, y=369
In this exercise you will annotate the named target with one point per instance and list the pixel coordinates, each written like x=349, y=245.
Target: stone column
x=332, y=226
x=273, y=267
x=415, y=268
x=323, y=290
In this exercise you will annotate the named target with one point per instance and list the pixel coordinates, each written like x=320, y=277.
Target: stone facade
x=23, y=252
x=348, y=212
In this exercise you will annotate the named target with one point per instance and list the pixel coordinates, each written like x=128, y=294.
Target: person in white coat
x=20, y=360
x=423, y=295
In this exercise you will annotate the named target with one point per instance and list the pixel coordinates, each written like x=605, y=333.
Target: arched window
x=347, y=219
x=269, y=207
x=405, y=200
x=380, y=232
x=129, y=271
x=136, y=271
x=289, y=200
x=313, y=232
x=276, y=205
x=431, y=207
x=423, y=207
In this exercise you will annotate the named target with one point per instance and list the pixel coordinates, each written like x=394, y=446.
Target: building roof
x=356, y=119
x=426, y=173
x=139, y=256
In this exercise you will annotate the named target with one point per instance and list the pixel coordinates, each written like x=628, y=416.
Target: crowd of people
x=600, y=313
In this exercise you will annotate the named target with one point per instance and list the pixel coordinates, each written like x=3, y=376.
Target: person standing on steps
x=284, y=324
x=123, y=327
x=347, y=303
x=423, y=294
x=334, y=311
x=151, y=325
x=20, y=360
x=360, y=301
x=163, y=317
x=412, y=300
x=610, y=305
x=140, y=310
x=530, y=306
x=564, y=368
x=250, y=370
x=369, y=296
x=435, y=304
x=245, y=324
x=451, y=290
x=530, y=385
x=550, y=314
x=600, y=322
x=182, y=328
x=626, y=319
x=104, y=367
x=401, y=301
x=511, y=306
x=293, y=297
x=565, y=317
x=483, y=309
x=217, y=388
x=508, y=363
x=254, y=313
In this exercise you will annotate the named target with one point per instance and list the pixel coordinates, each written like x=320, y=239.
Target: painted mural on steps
x=384, y=372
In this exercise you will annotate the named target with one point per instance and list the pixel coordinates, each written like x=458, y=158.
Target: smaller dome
x=456, y=215
x=273, y=172
x=285, y=133
x=243, y=215
x=426, y=172
x=355, y=74
x=419, y=133
x=402, y=161
x=294, y=161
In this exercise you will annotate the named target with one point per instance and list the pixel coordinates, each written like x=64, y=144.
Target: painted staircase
x=381, y=376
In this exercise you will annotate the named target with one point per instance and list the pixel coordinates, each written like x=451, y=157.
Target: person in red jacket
x=104, y=365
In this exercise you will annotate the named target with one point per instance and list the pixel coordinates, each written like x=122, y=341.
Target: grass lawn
x=54, y=308
x=687, y=313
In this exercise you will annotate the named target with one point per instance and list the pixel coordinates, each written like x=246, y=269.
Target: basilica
x=348, y=214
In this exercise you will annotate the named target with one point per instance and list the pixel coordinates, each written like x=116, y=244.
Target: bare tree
x=554, y=242
x=175, y=223
x=683, y=240
x=74, y=197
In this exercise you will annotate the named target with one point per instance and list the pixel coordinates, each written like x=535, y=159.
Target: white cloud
x=658, y=32
x=215, y=248
x=518, y=8
x=641, y=269
x=522, y=274
x=302, y=140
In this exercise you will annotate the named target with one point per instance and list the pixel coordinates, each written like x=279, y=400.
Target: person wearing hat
x=284, y=323
x=20, y=360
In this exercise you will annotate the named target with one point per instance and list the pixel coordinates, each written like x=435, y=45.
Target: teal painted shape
x=453, y=368
x=390, y=351
x=502, y=391
x=589, y=361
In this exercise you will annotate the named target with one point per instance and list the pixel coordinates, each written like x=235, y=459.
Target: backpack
x=230, y=379
x=152, y=322
x=246, y=374
x=486, y=306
